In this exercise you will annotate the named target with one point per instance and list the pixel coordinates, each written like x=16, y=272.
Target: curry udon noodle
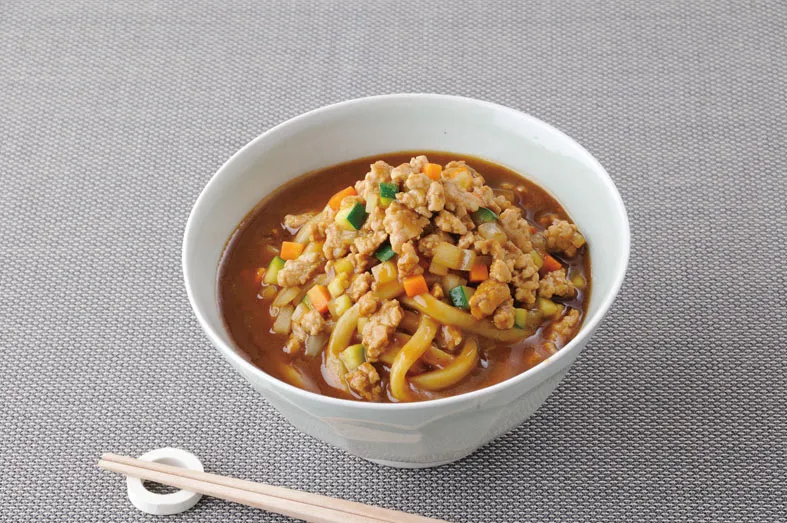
x=408, y=279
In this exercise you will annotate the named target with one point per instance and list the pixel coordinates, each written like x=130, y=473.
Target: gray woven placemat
x=113, y=116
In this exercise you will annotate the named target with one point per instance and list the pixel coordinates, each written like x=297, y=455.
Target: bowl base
x=416, y=465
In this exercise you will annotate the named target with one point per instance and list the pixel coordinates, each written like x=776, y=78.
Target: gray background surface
x=113, y=116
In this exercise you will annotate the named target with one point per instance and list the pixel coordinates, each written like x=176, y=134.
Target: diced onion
x=453, y=257
x=300, y=310
x=448, y=255
x=268, y=292
x=305, y=230
x=436, y=268
x=282, y=323
x=450, y=281
x=492, y=231
x=384, y=272
x=371, y=202
x=286, y=296
x=314, y=344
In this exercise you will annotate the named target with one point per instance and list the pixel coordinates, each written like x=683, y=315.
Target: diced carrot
x=336, y=200
x=258, y=275
x=550, y=264
x=433, y=170
x=319, y=298
x=415, y=285
x=479, y=272
x=532, y=230
x=291, y=250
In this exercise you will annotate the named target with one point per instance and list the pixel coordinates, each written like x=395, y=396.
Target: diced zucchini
x=271, y=275
x=339, y=306
x=343, y=265
x=339, y=285
x=460, y=296
x=549, y=308
x=307, y=302
x=384, y=252
x=520, y=318
x=353, y=356
x=351, y=218
x=385, y=272
x=525, y=319
x=483, y=215
x=388, y=193
x=537, y=259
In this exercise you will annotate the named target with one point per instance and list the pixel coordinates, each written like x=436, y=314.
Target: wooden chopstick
x=302, y=505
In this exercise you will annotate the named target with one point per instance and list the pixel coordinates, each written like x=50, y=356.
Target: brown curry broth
x=247, y=317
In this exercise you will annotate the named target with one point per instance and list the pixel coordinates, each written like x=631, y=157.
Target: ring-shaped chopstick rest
x=165, y=504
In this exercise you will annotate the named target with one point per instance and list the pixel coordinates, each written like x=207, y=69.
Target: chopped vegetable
x=438, y=269
x=259, y=273
x=282, y=323
x=384, y=272
x=336, y=200
x=550, y=264
x=343, y=265
x=285, y=296
x=464, y=179
x=371, y=202
x=268, y=292
x=433, y=170
x=415, y=285
x=353, y=356
x=520, y=318
x=492, y=231
x=300, y=310
x=453, y=257
x=483, y=215
x=450, y=281
x=525, y=319
x=291, y=250
x=384, y=252
x=579, y=281
x=314, y=247
x=479, y=272
x=306, y=302
x=319, y=298
x=548, y=307
x=271, y=275
x=362, y=321
x=388, y=193
x=339, y=306
x=537, y=259
x=338, y=285
x=460, y=296
x=351, y=218
x=314, y=344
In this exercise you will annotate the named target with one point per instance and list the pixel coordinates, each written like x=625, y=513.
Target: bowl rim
x=585, y=331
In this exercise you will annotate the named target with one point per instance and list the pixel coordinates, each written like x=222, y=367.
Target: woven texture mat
x=113, y=117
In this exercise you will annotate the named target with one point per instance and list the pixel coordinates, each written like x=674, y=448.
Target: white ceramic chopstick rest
x=164, y=504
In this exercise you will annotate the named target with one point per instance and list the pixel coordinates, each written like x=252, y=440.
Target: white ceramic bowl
x=439, y=431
